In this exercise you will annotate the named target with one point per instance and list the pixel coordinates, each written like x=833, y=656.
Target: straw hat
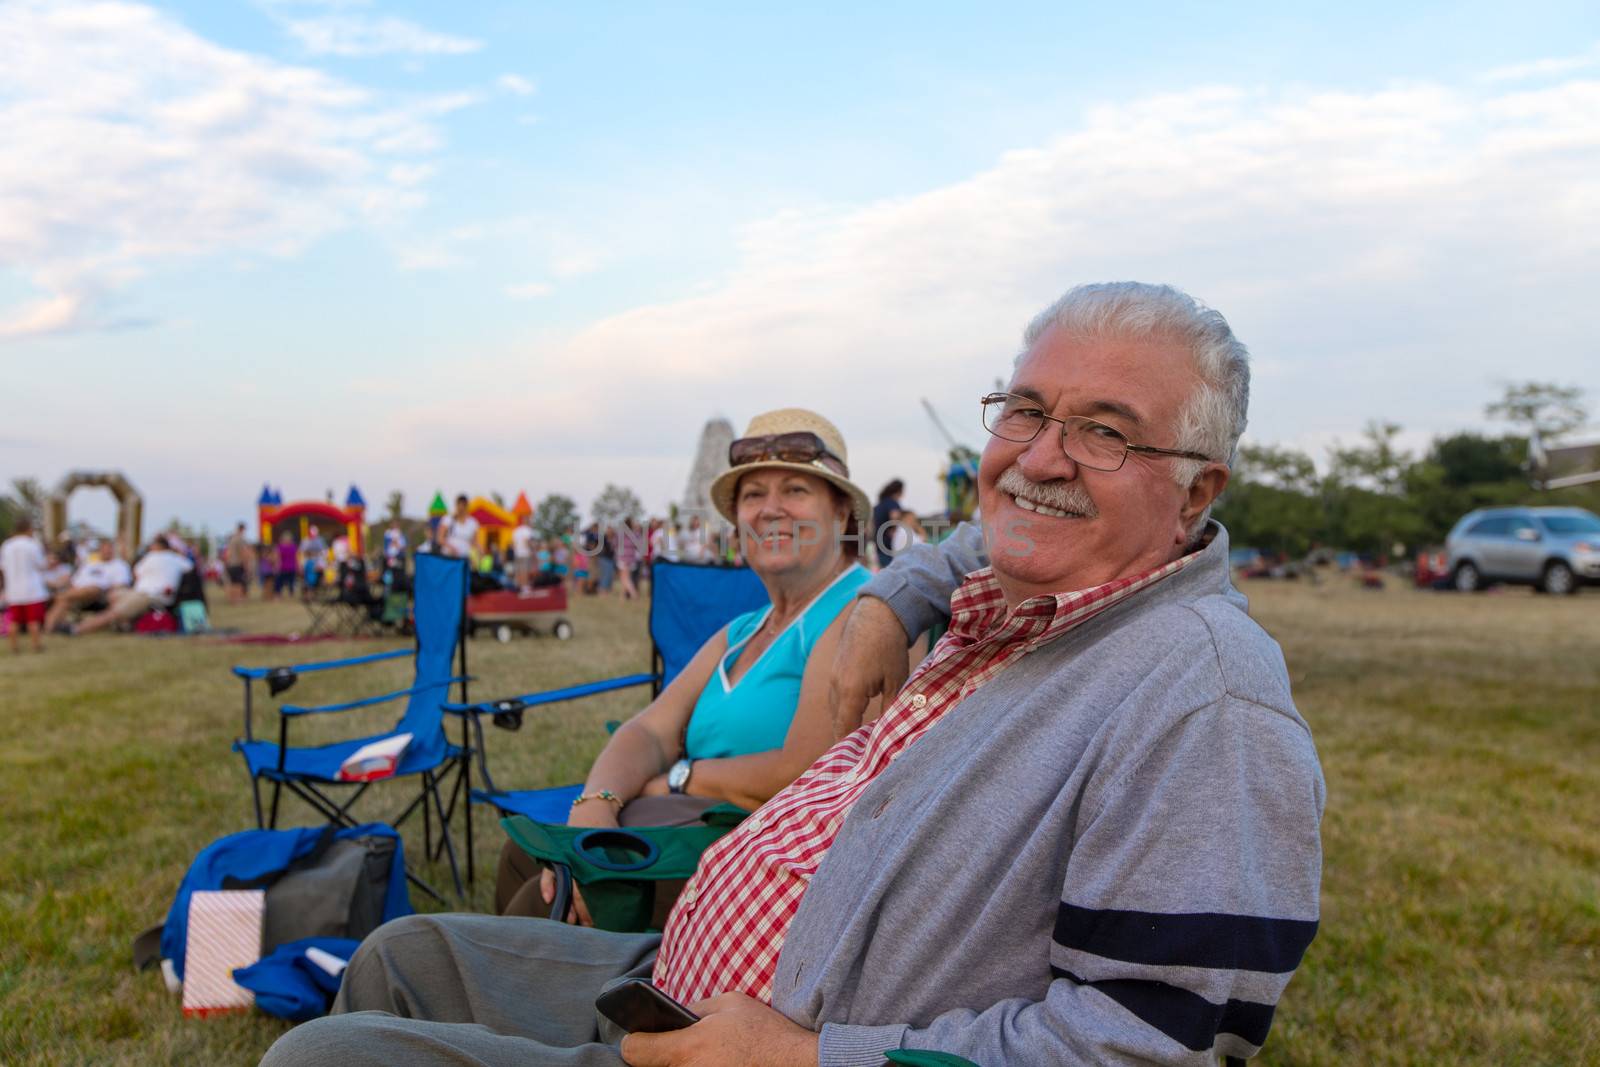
x=794, y=420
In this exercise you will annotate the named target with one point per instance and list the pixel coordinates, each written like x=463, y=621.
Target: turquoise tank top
x=753, y=715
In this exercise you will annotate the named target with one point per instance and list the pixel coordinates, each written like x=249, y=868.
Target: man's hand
x=734, y=1031
x=871, y=662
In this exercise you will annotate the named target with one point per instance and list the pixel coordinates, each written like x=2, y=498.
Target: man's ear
x=1203, y=491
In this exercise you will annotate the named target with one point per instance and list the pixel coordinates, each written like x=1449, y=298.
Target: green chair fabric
x=618, y=869
x=924, y=1058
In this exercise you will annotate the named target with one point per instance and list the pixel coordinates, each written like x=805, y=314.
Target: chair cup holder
x=600, y=846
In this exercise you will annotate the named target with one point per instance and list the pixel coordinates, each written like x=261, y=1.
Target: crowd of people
x=81, y=587
x=84, y=586
x=611, y=559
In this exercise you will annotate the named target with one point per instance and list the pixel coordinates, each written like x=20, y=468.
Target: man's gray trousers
x=492, y=991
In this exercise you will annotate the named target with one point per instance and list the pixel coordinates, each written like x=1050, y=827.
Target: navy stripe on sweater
x=1188, y=1018
x=1201, y=939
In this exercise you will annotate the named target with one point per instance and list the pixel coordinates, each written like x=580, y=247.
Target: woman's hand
x=656, y=787
x=579, y=911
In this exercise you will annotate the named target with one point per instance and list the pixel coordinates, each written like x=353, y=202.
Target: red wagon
x=506, y=612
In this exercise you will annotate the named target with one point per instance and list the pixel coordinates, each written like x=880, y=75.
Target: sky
x=534, y=247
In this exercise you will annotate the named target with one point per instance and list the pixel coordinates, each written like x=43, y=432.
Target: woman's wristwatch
x=678, y=776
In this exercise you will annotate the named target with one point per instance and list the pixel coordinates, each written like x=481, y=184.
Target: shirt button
x=919, y=701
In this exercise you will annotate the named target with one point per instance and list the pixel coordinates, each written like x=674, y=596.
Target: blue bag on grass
x=290, y=984
x=320, y=882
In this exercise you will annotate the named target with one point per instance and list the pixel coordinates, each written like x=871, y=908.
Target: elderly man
x=1085, y=831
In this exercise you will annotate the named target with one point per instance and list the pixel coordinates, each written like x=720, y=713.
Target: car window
x=1494, y=526
x=1571, y=524
x=1520, y=524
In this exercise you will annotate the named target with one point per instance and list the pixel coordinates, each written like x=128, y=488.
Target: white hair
x=1212, y=420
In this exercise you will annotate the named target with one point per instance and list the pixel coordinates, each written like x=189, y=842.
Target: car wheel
x=563, y=630
x=1467, y=578
x=502, y=633
x=1558, y=579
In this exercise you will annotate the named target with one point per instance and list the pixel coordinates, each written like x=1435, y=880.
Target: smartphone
x=636, y=1005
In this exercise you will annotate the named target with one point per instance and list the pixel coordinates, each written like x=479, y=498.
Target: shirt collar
x=978, y=607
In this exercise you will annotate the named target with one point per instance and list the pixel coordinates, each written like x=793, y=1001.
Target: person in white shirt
x=394, y=546
x=459, y=532
x=58, y=569
x=314, y=554
x=696, y=544
x=23, y=563
x=91, y=585
x=522, y=554
x=155, y=583
x=664, y=541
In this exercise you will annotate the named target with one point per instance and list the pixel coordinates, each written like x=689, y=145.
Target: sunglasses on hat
x=800, y=446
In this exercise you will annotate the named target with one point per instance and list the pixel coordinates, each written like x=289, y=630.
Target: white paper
x=326, y=960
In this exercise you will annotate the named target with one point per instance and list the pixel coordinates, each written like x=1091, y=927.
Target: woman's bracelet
x=599, y=794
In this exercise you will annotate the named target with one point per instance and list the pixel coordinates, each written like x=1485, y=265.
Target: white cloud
x=364, y=35
x=129, y=141
x=428, y=257
x=516, y=85
x=529, y=290
x=1545, y=68
x=409, y=174
x=44, y=316
x=572, y=263
x=1385, y=254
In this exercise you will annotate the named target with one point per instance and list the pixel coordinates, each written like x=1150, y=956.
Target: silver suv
x=1551, y=549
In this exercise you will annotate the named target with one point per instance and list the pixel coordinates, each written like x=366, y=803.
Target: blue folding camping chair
x=440, y=592
x=689, y=603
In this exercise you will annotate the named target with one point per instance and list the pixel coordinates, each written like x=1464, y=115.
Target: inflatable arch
x=130, y=507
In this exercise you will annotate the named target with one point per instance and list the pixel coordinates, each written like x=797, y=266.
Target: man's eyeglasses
x=801, y=446
x=1086, y=442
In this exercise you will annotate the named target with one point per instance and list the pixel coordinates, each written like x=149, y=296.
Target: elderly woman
x=749, y=713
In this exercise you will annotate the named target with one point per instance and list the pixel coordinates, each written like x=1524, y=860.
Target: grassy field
x=1460, y=737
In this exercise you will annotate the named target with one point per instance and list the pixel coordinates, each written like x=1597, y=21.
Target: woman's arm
x=647, y=744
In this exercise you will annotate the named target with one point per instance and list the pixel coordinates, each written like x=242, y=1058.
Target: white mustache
x=1063, y=496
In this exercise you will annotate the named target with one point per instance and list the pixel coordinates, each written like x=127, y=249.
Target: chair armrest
x=296, y=709
x=547, y=696
x=323, y=665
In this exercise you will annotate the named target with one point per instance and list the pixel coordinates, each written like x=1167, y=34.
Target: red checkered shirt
x=728, y=925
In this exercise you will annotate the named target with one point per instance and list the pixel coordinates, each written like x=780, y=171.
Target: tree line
x=1372, y=496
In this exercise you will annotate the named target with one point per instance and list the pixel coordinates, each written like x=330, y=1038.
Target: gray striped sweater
x=1107, y=854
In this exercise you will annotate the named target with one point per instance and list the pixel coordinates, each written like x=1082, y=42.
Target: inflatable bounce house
x=351, y=519
x=495, y=523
